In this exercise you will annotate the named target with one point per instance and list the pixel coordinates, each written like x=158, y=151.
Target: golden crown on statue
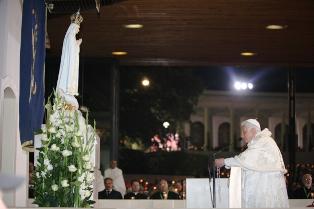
x=77, y=18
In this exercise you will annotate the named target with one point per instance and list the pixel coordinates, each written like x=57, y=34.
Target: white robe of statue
x=118, y=180
x=263, y=169
x=98, y=184
x=67, y=84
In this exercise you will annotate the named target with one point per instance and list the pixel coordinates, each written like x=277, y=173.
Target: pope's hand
x=79, y=41
x=219, y=162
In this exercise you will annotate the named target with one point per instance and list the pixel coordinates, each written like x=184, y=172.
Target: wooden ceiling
x=196, y=32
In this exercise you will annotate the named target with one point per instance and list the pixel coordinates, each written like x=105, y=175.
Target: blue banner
x=32, y=63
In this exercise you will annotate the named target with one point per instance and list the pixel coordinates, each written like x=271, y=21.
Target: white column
x=10, y=40
x=300, y=123
x=308, y=131
x=187, y=129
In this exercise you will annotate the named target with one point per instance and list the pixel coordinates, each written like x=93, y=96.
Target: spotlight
x=243, y=85
x=239, y=85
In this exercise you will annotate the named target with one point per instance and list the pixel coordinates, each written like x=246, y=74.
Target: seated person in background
x=178, y=189
x=306, y=191
x=116, y=175
x=135, y=194
x=164, y=193
x=184, y=189
x=30, y=180
x=108, y=192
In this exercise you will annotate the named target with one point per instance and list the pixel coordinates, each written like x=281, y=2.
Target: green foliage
x=64, y=172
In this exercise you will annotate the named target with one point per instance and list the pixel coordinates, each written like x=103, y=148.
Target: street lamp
x=166, y=124
x=145, y=82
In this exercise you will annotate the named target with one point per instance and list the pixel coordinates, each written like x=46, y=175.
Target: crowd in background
x=299, y=185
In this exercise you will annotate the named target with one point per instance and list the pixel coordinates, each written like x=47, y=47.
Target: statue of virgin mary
x=67, y=84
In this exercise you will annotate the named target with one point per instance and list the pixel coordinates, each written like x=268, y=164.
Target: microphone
x=212, y=175
x=212, y=157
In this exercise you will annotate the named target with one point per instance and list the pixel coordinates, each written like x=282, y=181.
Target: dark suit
x=303, y=193
x=109, y=195
x=135, y=196
x=159, y=196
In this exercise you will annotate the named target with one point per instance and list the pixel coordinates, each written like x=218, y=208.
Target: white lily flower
x=44, y=129
x=81, y=178
x=87, y=193
x=44, y=137
x=78, y=134
x=52, y=130
x=75, y=144
x=90, y=177
x=72, y=168
x=88, y=166
x=64, y=183
x=49, y=167
x=58, y=135
x=83, y=186
x=86, y=158
x=54, y=117
x=54, y=187
x=43, y=174
x=66, y=153
x=46, y=161
x=62, y=132
x=84, y=193
x=54, y=147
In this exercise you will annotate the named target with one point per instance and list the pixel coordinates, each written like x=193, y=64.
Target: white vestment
x=263, y=181
x=69, y=66
x=117, y=177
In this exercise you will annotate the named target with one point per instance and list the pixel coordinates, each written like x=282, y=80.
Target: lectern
x=199, y=191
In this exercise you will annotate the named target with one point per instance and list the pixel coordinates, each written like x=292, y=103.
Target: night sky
x=265, y=79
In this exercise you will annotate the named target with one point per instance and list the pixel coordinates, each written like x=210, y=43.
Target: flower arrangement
x=64, y=172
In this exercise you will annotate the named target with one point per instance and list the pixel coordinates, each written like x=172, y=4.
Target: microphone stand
x=213, y=176
x=214, y=179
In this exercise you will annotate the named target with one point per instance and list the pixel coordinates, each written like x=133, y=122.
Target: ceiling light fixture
x=119, y=53
x=248, y=54
x=276, y=27
x=133, y=26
